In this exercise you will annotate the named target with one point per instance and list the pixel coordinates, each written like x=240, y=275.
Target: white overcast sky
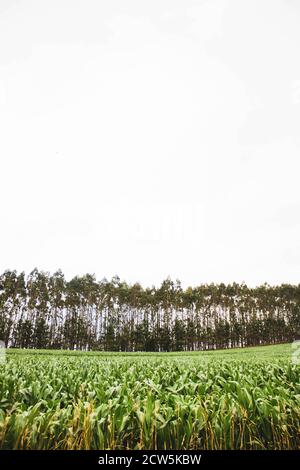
x=151, y=138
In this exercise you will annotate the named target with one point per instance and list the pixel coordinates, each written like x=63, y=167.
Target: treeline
x=45, y=310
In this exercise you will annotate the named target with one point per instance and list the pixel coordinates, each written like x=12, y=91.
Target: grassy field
x=232, y=399
x=280, y=351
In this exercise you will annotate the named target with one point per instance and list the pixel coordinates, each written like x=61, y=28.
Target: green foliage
x=46, y=311
x=239, y=399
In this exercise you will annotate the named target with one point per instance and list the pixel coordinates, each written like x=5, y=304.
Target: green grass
x=265, y=352
x=231, y=399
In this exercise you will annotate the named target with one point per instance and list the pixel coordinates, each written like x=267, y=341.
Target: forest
x=45, y=311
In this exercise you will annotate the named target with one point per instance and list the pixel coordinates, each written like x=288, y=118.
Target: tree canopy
x=43, y=310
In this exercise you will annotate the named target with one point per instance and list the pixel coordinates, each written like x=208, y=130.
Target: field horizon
x=282, y=350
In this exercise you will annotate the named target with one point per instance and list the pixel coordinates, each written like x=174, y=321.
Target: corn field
x=196, y=401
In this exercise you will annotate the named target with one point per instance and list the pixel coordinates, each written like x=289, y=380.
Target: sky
x=148, y=139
